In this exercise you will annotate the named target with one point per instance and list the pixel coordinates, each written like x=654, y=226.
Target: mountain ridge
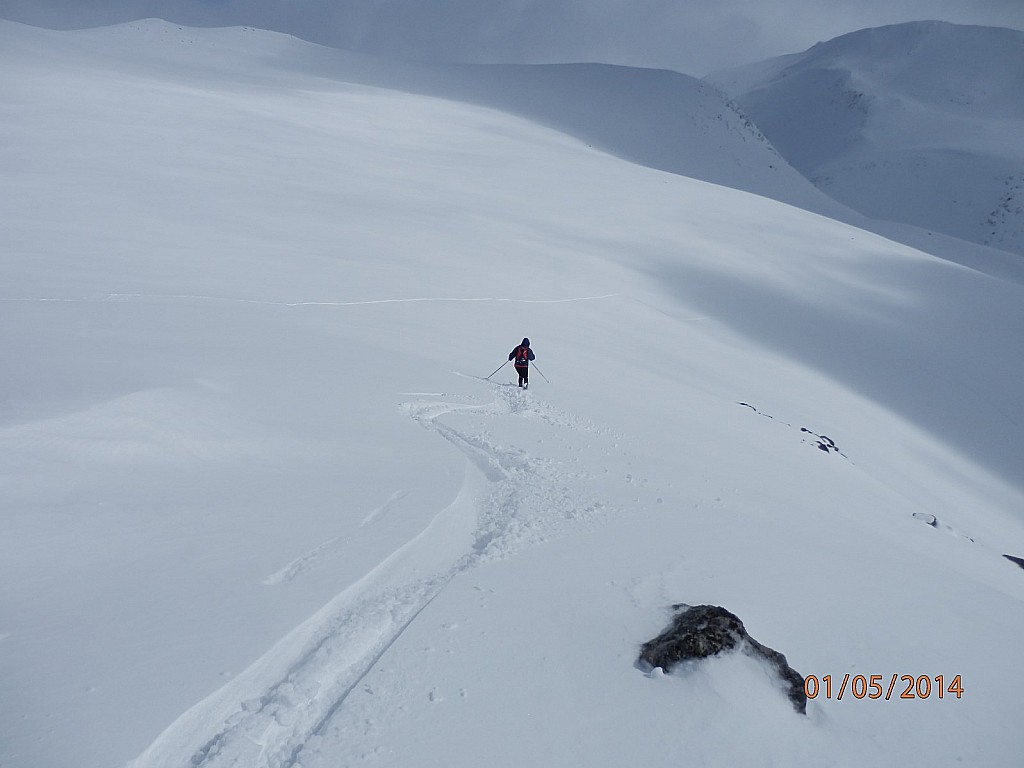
x=915, y=122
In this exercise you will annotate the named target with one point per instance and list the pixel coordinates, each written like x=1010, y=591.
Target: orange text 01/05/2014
x=886, y=687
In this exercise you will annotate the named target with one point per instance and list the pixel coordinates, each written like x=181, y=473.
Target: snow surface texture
x=918, y=123
x=260, y=509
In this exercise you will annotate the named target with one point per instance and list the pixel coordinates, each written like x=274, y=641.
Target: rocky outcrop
x=1013, y=559
x=700, y=631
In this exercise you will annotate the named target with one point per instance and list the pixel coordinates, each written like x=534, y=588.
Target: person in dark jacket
x=522, y=355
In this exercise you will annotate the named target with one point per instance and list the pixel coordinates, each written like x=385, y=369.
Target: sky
x=692, y=36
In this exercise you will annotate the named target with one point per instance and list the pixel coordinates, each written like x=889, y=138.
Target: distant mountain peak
x=916, y=123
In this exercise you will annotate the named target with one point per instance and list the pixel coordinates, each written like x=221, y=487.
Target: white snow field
x=918, y=123
x=261, y=507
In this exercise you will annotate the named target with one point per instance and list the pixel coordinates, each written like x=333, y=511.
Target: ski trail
x=529, y=499
x=384, y=508
x=134, y=297
x=265, y=716
x=299, y=564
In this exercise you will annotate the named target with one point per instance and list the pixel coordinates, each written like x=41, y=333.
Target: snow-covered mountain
x=648, y=33
x=261, y=506
x=690, y=37
x=636, y=110
x=916, y=123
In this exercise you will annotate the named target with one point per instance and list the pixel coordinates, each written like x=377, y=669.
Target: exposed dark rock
x=1018, y=560
x=924, y=517
x=823, y=443
x=700, y=631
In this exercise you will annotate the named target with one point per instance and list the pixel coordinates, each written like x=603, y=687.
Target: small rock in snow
x=698, y=632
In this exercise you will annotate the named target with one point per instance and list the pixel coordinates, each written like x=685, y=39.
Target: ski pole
x=541, y=374
x=498, y=369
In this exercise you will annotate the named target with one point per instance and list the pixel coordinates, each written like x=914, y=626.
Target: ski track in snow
x=133, y=297
x=529, y=497
x=384, y=508
x=299, y=564
x=296, y=566
x=265, y=717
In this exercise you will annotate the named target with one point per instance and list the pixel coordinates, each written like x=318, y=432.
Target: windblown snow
x=262, y=505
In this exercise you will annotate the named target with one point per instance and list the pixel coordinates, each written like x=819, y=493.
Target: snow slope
x=260, y=509
x=917, y=123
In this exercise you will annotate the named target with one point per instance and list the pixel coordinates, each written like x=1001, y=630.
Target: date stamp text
x=891, y=687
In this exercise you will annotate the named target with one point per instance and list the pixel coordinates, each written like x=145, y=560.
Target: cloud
x=692, y=36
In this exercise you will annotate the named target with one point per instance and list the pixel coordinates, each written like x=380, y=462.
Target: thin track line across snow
x=129, y=297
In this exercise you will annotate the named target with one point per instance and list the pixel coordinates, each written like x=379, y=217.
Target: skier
x=522, y=355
